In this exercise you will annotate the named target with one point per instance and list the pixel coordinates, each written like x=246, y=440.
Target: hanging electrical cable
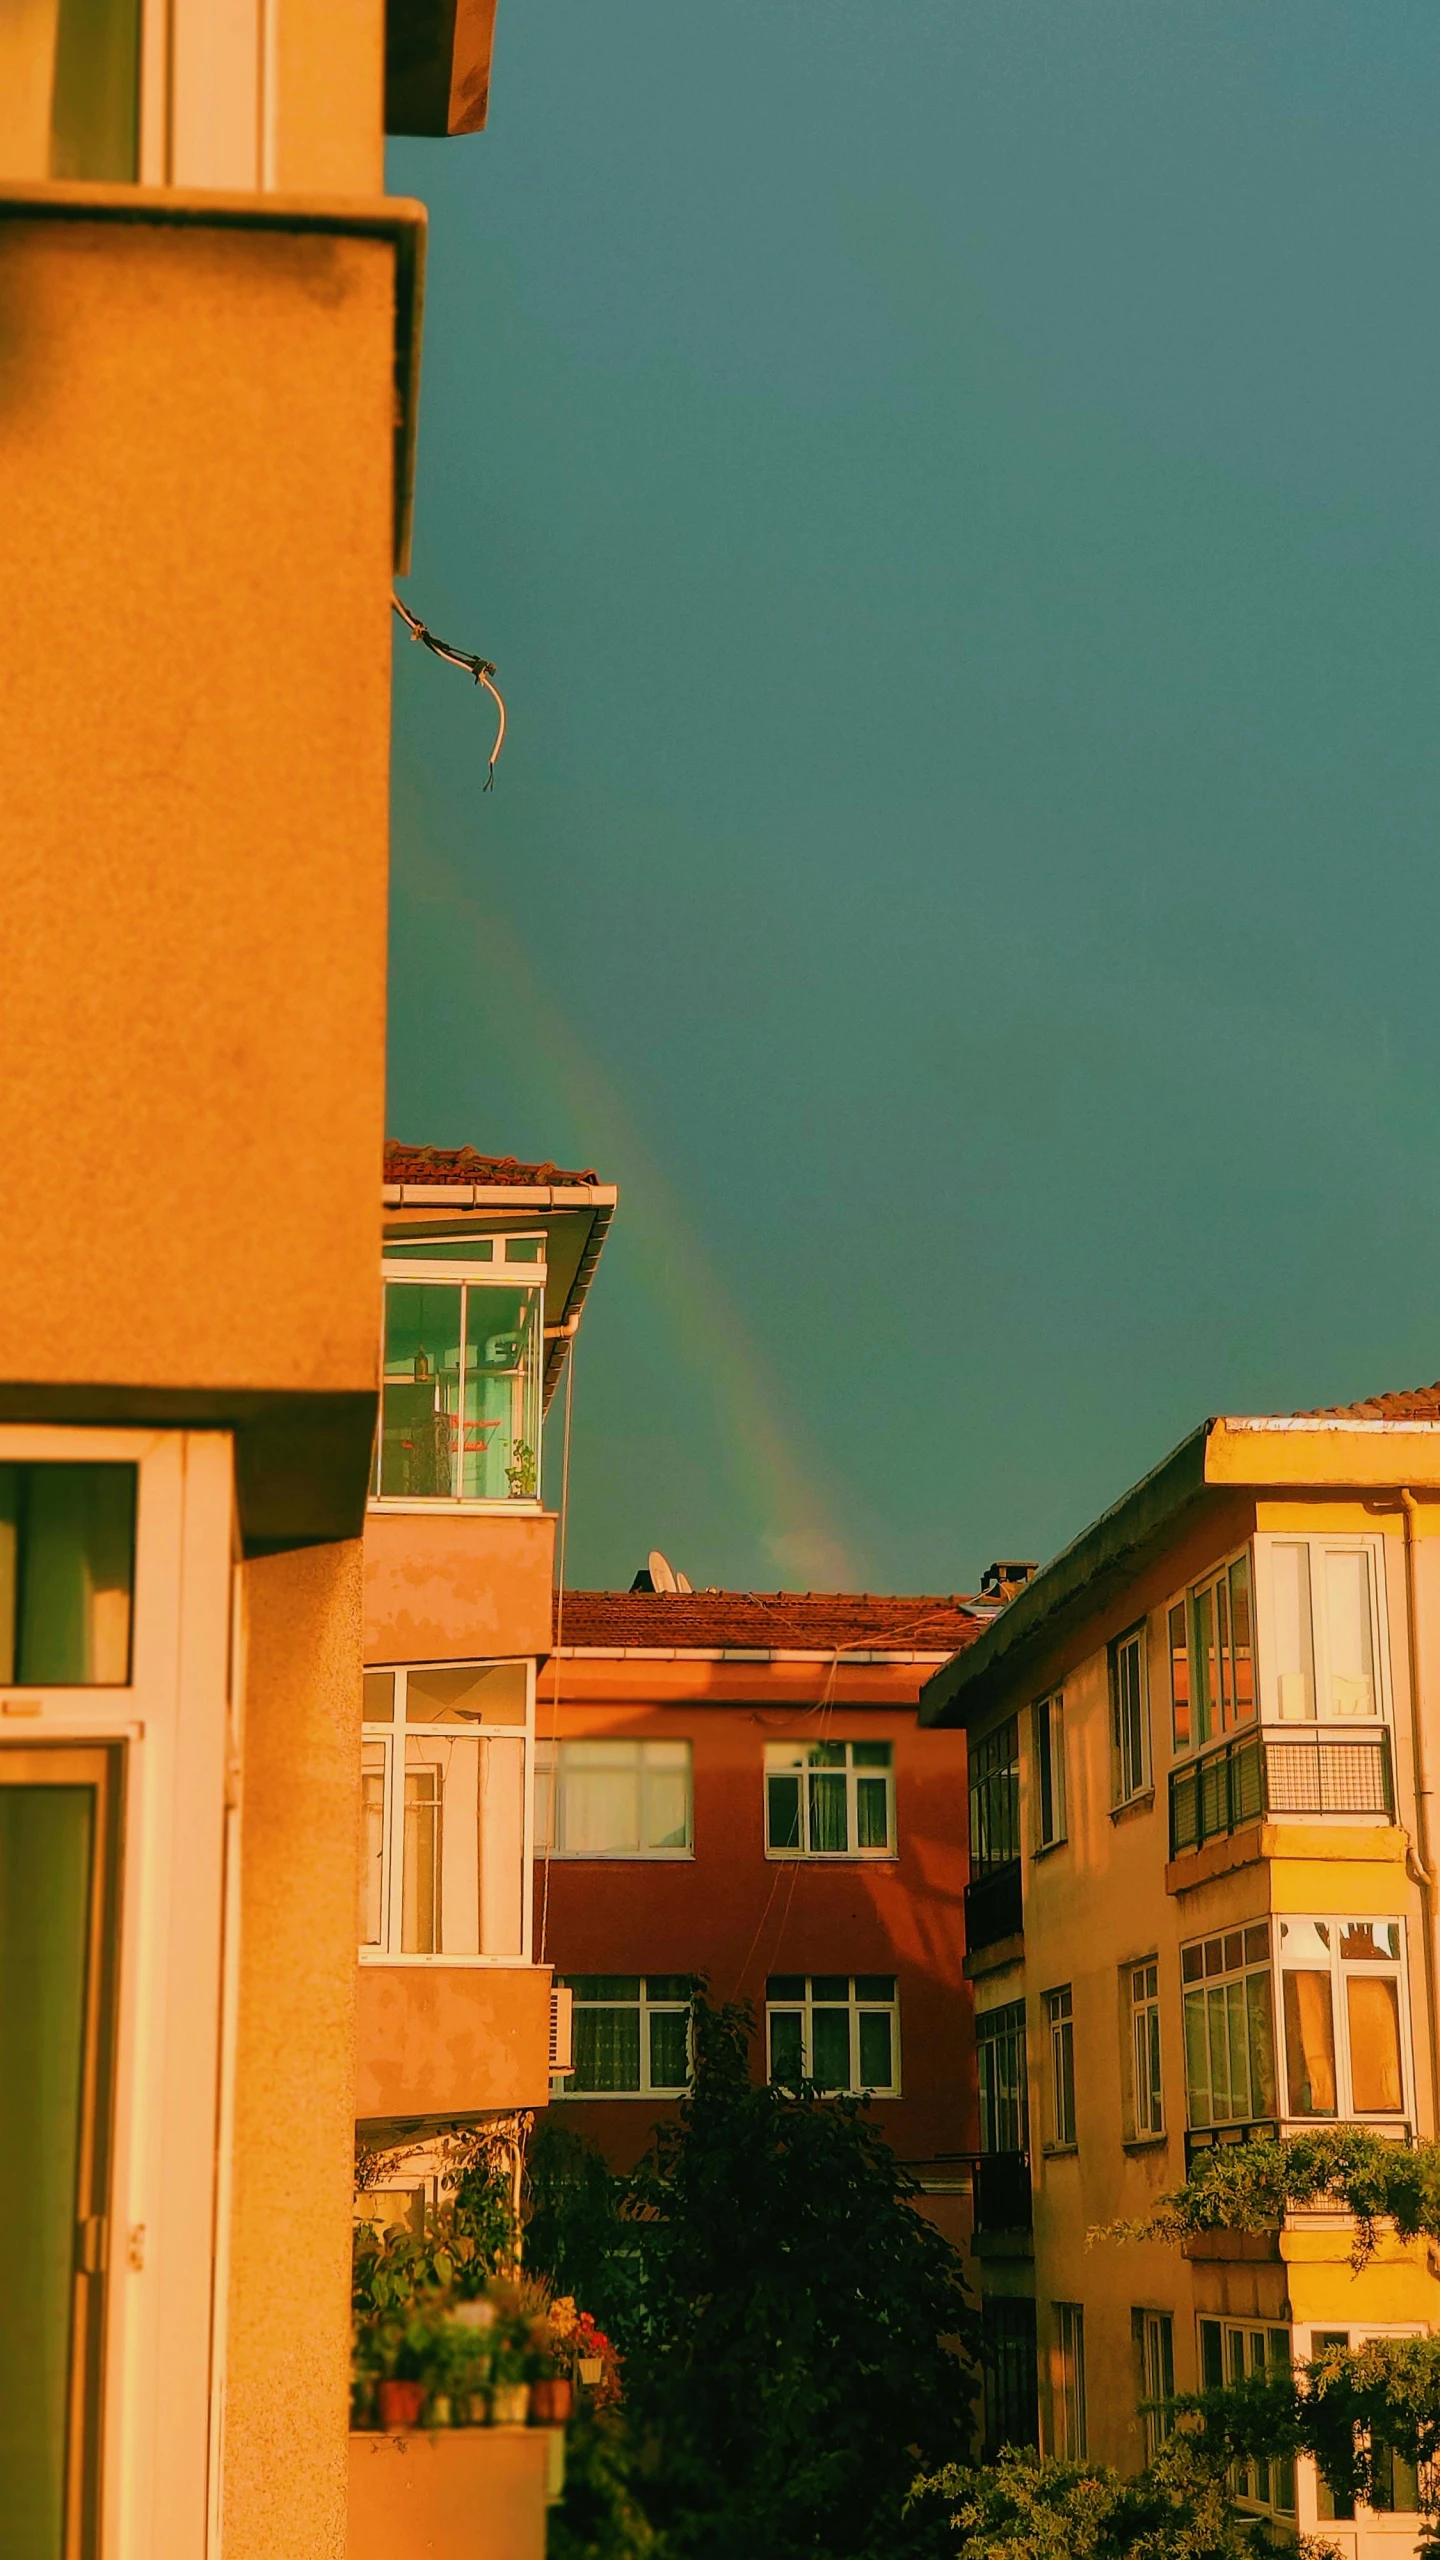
x=482, y=669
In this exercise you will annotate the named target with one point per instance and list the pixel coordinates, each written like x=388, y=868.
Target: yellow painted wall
x=196, y=482
x=447, y=2040
x=288, y=2355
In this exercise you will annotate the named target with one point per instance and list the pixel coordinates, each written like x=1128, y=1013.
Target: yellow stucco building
x=1202, y=1909
x=210, y=341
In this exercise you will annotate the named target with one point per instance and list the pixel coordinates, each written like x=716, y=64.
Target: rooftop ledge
x=1299, y=1452
x=400, y=220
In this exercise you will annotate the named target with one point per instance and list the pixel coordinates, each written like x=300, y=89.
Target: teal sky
x=952, y=493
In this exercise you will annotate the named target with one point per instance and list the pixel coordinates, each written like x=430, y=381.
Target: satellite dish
x=683, y=1582
x=662, y=1572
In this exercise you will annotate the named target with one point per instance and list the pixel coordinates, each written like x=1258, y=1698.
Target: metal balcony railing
x=1003, y=2199
x=1255, y=1774
x=994, y=1905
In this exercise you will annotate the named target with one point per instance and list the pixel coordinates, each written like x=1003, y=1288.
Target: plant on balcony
x=522, y=1474
x=1350, y=2407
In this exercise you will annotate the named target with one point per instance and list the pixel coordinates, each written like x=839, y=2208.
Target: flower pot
x=440, y=2410
x=479, y=2405
x=551, y=2401
x=590, y=2369
x=401, y=2404
x=510, y=2404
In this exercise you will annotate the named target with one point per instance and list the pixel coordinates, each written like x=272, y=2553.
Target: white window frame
x=1263, y=1573
x=1047, y=1742
x=1309, y=2337
x=1146, y=2048
x=1248, y=1967
x=1238, y=2339
x=562, y=2085
x=175, y=2009
x=1059, y=2008
x=395, y=1735
x=784, y=1759
x=550, y=1796
x=1390, y=1969
x=466, y=1273
x=1155, y=2340
x=853, y=2007
x=1130, y=1754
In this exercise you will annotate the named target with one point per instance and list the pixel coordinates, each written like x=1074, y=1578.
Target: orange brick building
x=733, y=1785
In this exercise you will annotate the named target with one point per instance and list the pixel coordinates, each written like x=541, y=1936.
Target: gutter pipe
x=1424, y=1861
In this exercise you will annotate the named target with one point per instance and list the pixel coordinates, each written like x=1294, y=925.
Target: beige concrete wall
x=441, y=1585
x=442, y=2040
x=425, y=2493
x=286, y=2389
x=196, y=483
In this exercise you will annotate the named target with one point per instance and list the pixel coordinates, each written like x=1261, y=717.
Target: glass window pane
x=1262, y=2043
x=872, y=1813
x=668, y=1986
x=830, y=1986
x=1294, y=1642
x=468, y=1693
x=1242, y=1642
x=877, y=2070
x=420, y=1897
x=1179, y=1679
x=1372, y=2004
x=607, y=2049
x=669, y=2059
x=372, y=1844
x=828, y=1828
x=604, y=1986
x=785, y=1986
x=874, y=1986
x=67, y=1571
x=462, y=1886
x=1205, y=1674
x=601, y=1799
x=1347, y=1628
x=69, y=90
x=404, y=1248
x=46, y=1850
x=667, y=1803
x=502, y=1846
x=420, y=1395
x=787, y=2062
x=830, y=2037
x=502, y=1417
x=782, y=1812
x=379, y=1697
x=1309, y=2044
x=872, y=1755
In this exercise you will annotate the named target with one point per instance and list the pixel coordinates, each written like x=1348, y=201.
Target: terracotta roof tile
x=774, y=1621
x=1402, y=1404
x=465, y=1164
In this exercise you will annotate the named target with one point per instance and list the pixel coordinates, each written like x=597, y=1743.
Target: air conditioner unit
x=562, y=2030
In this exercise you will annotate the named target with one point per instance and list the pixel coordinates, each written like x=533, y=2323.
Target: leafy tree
x=1030, y=2508
x=794, y=2330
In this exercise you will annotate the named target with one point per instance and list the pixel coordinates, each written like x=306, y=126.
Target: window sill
x=454, y=1506
x=1136, y=2142
x=1048, y=1848
x=615, y=1857
x=834, y=1857
x=374, y=1956
x=1143, y=1803
x=1059, y=2150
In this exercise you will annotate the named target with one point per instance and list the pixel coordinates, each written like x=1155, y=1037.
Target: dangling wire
x=480, y=668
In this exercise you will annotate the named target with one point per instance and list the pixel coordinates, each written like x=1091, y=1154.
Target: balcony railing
x=1303, y=1773
x=1003, y=2201
x=994, y=1906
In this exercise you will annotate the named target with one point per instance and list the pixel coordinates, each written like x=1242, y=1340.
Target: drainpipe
x=1423, y=1861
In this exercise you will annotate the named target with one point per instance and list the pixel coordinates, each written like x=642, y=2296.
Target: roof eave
x=1080, y=1577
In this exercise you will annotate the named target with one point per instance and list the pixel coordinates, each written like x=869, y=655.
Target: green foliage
x=1247, y=2186
x=1029, y=2508
x=1351, y=2408
x=792, y=2327
x=601, y=2515
x=575, y=2227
